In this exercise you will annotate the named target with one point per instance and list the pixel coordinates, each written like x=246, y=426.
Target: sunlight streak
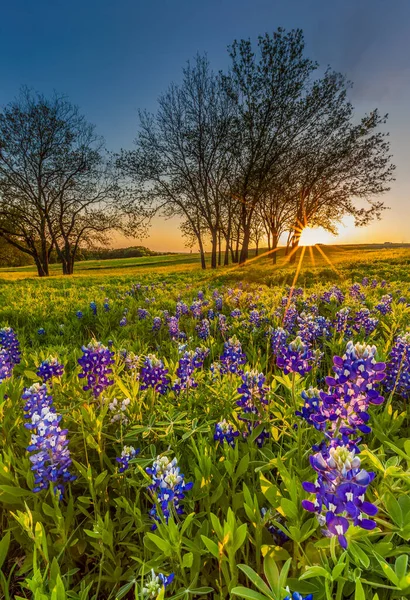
x=328, y=261
x=295, y=278
x=312, y=258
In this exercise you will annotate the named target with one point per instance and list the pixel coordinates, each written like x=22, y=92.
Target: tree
x=267, y=89
x=56, y=191
x=342, y=165
x=182, y=160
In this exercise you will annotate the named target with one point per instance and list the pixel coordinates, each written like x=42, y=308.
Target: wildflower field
x=172, y=433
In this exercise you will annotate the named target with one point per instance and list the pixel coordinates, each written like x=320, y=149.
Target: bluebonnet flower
x=153, y=586
x=297, y=357
x=156, y=324
x=384, y=306
x=364, y=321
x=373, y=283
x=340, y=490
x=106, y=305
x=356, y=293
x=154, y=374
x=118, y=410
x=41, y=331
x=203, y=329
x=352, y=390
x=232, y=357
x=196, y=309
x=290, y=318
x=123, y=322
x=200, y=295
x=168, y=487
x=95, y=364
x=398, y=367
x=50, y=368
x=128, y=453
x=222, y=325
x=49, y=444
x=298, y=596
x=131, y=360
x=278, y=339
x=365, y=281
x=225, y=432
x=181, y=309
x=10, y=343
x=173, y=327
x=255, y=318
x=334, y=294
x=218, y=303
x=93, y=307
x=279, y=537
x=253, y=394
x=311, y=407
x=211, y=314
x=79, y=314
x=142, y=314
x=6, y=366
x=311, y=328
x=236, y=313
x=188, y=363
x=253, y=391
x=344, y=322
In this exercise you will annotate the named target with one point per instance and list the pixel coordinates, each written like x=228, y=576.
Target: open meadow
x=170, y=432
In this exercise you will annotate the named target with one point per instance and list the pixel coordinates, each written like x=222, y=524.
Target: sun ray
x=291, y=253
x=312, y=258
x=328, y=261
x=295, y=278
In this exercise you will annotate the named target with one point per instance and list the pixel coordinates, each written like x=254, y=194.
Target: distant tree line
x=267, y=148
x=107, y=253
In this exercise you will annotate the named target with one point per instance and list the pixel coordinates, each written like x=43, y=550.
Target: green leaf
x=359, y=593
x=159, y=542
x=4, y=548
x=271, y=571
x=315, y=571
x=255, y=578
x=387, y=570
x=400, y=566
x=211, y=546
x=239, y=536
x=243, y=592
x=187, y=560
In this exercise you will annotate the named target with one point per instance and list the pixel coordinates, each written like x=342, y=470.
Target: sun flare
x=315, y=235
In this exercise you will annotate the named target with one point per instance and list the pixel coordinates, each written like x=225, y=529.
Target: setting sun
x=315, y=235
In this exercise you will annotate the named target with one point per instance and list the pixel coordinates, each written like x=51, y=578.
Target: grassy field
x=222, y=373
x=339, y=262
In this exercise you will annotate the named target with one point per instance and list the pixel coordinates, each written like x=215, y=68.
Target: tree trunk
x=245, y=244
x=269, y=246
x=214, y=250
x=226, y=259
x=275, y=240
x=219, y=249
x=201, y=252
x=40, y=269
x=257, y=248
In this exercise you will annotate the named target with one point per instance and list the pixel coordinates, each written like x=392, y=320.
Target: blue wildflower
x=95, y=364
x=50, y=368
x=49, y=444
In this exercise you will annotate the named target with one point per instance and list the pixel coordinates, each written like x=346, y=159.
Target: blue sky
x=114, y=57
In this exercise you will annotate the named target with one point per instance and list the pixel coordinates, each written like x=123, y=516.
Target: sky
x=113, y=57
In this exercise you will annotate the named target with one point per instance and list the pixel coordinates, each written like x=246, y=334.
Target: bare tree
x=55, y=190
x=182, y=160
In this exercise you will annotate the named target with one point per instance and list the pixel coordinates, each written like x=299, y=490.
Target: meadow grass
x=97, y=541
